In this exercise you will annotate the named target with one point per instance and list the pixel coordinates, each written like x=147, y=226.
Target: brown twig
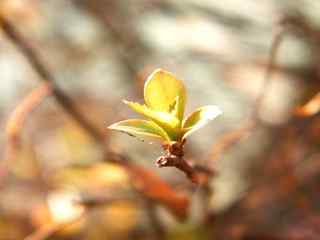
x=277, y=40
x=232, y=138
x=17, y=121
x=128, y=45
x=151, y=186
x=60, y=96
x=174, y=158
x=18, y=117
x=46, y=76
x=180, y=163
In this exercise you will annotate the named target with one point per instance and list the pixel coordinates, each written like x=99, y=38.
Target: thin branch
x=180, y=163
x=17, y=121
x=18, y=117
x=277, y=40
x=66, y=102
x=68, y=105
x=228, y=140
x=232, y=138
x=46, y=76
x=174, y=158
x=127, y=43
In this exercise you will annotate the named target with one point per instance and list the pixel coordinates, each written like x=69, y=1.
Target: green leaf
x=162, y=89
x=163, y=119
x=199, y=118
x=166, y=121
x=140, y=127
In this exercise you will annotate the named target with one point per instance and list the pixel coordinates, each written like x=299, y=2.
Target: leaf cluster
x=165, y=100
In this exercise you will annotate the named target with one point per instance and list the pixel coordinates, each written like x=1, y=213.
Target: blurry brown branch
x=299, y=25
x=128, y=45
x=68, y=105
x=277, y=195
x=154, y=188
x=46, y=76
x=17, y=120
x=303, y=29
x=19, y=115
x=276, y=42
x=63, y=99
x=232, y=138
x=283, y=179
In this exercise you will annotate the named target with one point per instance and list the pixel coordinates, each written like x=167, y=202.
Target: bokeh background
x=99, y=52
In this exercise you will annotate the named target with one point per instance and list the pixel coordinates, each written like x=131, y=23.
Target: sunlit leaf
x=173, y=106
x=199, y=118
x=140, y=127
x=165, y=98
x=165, y=120
x=175, y=109
x=162, y=89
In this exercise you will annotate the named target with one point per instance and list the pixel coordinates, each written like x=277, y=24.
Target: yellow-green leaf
x=161, y=91
x=140, y=127
x=163, y=119
x=199, y=118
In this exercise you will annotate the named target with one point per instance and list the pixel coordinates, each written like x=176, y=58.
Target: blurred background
x=56, y=180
